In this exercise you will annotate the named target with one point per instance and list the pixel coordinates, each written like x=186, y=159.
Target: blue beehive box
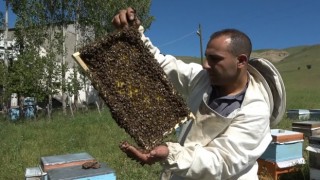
x=66, y=160
x=78, y=173
x=279, y=151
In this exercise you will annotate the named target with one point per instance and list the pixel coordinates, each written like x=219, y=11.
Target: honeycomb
x=135, y=88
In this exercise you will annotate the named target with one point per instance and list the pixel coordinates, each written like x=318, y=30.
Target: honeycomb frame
x=138, y=93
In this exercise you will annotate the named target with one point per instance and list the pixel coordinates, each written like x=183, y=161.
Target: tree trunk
x=49, y=107
x=63, y=96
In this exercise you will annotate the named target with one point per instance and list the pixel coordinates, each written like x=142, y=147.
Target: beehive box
x=286, y=145
x=308, y=128
x=35, y=173
x=282, y=135
x=298, y=114
x=60, y=161
x=135, y=88
x=269, y=170
x=314, y=114
x=314, y=141
x=314, y=154
x=78, y=173
x=314, y=174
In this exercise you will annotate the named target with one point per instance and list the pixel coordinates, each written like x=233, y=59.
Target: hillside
x=272, y=55
x=300, y=70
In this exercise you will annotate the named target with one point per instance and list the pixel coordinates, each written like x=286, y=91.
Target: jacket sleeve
x=182, y=75
x=231, y=154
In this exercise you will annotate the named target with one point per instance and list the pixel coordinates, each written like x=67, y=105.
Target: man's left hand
x=157, y=154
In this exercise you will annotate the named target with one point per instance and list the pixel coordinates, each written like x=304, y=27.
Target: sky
x=271, y=24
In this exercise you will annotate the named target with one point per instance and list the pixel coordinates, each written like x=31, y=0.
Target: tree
x=98, y=15
x=35, y=31
x=40, y=31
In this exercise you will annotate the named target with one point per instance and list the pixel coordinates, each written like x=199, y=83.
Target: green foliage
x=40, y=31
x=98, y=14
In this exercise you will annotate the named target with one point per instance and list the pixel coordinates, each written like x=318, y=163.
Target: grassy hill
x=302, y=83
x=300, y=70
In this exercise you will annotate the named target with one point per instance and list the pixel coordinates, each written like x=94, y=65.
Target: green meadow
x=23, y=142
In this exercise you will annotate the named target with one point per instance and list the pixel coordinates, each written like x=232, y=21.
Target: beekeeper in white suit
x=235, y=101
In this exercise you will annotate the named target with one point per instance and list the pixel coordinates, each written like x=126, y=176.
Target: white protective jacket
x=216, y=147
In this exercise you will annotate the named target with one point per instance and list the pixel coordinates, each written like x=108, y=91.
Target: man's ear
x=242, y=60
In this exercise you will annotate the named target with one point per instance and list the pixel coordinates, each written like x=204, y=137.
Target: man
x=233, y=104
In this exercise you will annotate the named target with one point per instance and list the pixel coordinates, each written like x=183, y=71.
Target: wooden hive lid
x=281, y=135
x=306, y=124
x=315, y=139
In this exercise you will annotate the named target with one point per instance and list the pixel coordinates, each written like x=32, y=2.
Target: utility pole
x=199, y=32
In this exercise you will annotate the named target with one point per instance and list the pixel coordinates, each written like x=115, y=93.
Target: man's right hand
x=125, y=18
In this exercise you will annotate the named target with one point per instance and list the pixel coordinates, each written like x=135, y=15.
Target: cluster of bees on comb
x=133, y=85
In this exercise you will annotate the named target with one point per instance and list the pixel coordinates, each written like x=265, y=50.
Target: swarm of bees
x=134, y=87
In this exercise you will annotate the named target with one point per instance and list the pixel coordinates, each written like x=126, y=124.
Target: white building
x=87, y=95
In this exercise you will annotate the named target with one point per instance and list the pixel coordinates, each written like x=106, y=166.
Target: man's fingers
x=125, y=18
x=116, y=21
x=133, y=152
x=131, y=13
x=121, y=20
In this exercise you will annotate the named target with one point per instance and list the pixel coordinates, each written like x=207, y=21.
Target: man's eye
x=213, y=58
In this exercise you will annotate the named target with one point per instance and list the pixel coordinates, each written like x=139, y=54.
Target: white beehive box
x=35, y=173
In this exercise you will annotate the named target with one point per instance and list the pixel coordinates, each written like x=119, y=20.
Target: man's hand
x=125, y=18
x=159, y=153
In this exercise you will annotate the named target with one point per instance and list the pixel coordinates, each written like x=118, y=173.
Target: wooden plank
x=67, y=160
x=314, y=140
x=269, y=169
x=77, y=172
x=280, y=135
x=78, y=59
x=307, y=131
x=306, y=124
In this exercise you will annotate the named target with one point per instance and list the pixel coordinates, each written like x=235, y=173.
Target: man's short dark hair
x=240, y=42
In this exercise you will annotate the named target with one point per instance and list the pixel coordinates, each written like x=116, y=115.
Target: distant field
x=302, y=83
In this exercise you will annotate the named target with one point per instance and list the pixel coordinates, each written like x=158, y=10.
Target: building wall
x=88, y=94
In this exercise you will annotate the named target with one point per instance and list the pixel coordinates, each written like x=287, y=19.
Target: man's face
x=221, y=65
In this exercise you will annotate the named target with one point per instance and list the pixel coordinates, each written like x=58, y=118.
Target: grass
x=24, y=142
